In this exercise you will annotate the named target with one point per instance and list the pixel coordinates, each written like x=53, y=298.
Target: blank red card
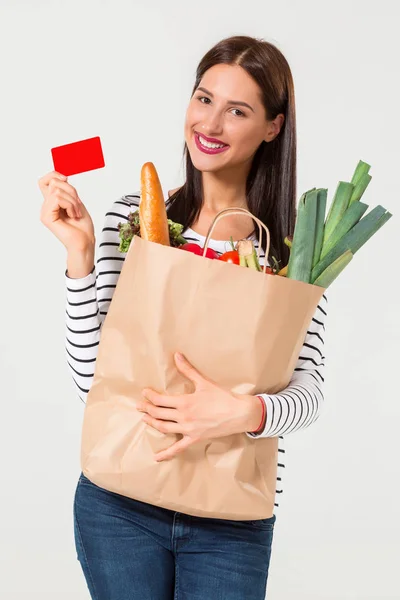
x=78, y=157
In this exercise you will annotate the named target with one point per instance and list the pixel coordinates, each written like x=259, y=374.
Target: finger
x=167, y=414
x=162, y=426
x=69, y=189
x=69, y=206
x=57, y=184
x=188, y=370
x=60, y=196
x=161, y=399
x=175, y=449
x=45, y=180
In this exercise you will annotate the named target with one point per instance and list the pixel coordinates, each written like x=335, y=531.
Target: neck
x=224, y=189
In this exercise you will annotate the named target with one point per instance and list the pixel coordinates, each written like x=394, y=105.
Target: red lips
x=211, y=140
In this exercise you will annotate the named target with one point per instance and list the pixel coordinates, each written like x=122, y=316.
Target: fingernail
x=179, y=356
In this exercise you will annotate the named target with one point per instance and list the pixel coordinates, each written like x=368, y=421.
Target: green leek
x=334, y=269
x=338, y=207
x=361, y=169
x=302, y=251
x=360, y=188
x=354, y=239
x=352, y=215
x=319, y=226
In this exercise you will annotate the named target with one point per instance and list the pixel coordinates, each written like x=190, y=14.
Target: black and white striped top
x=87, y=302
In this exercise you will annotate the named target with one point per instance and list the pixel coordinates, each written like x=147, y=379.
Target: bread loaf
x=152, y=210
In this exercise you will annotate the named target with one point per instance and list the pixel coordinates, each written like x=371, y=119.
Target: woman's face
x=226, y=109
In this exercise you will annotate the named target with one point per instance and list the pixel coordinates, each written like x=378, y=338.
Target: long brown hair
x=271, y=183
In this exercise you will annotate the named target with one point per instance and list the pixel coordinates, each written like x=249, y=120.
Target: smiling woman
x=240, y=151
x=239, y=130
x=240, y=143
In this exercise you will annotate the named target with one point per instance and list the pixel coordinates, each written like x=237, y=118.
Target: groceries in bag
x=320, y=247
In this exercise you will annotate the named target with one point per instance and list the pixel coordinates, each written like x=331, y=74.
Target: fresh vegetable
x=248, y=258
x=275, y=265
x=319, y=225
x=175, y=233
x=352, y=215
x=361, y=169
x=231, y=257
x=331, y=272
x=248, y=255
x=288, y=241
x=283, y=272
x=354, y=239
x=302, y=251
x=360, y=180
x=196, y=249
x=128, y=230
x=338, y=207
x=132, y=227
x=332, y=244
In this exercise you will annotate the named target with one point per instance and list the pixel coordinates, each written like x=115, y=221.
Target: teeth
x=210, y=145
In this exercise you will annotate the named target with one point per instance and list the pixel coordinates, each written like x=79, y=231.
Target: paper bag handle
x=237, y=211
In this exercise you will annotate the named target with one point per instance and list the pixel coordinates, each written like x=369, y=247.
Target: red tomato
x=231, y=257
x=196, y=249
x=269, y=270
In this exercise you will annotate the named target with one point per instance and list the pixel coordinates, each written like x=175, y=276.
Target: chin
x=204, y=163
x=205, y=167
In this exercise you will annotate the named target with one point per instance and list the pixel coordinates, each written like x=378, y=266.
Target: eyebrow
x=238, y=102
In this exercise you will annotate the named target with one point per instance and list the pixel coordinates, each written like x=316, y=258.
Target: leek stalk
x=302, y=251
x=338, y=207
x=360, y=188
x=319, y=226
x=352, y=215
x=334, y=269
x=354, y=239
x=361, y=169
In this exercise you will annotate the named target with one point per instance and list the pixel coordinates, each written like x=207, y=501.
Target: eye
x=203, y=98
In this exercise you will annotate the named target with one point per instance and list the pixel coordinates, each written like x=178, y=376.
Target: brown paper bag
x=239, y=327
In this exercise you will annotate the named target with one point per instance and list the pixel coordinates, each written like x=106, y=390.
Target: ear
x=274, y=128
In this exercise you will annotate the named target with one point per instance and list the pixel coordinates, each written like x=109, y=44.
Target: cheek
x=245, y=140
x=194, y=116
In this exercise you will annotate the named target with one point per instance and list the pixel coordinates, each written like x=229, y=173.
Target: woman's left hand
x=209, y=412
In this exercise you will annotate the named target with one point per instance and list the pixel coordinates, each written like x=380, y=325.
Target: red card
x=78, y=157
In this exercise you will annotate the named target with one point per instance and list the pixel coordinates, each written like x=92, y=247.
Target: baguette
x=152, y=212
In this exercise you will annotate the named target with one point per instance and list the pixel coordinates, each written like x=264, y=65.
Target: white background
x=124, y=71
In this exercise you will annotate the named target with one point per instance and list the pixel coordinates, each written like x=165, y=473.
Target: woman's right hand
x=64, y=213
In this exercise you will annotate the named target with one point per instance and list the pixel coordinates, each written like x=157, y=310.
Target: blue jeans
x=131, y=550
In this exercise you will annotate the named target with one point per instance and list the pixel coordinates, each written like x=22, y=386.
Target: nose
x=213, y=124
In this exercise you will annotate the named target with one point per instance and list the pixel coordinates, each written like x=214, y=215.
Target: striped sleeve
x=299, y=404
x=88, y=298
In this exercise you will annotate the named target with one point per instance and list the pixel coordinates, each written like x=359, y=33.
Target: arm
x=299, y=404
x=88, y=298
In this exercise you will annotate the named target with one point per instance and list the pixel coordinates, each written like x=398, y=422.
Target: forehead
x=231, y=82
